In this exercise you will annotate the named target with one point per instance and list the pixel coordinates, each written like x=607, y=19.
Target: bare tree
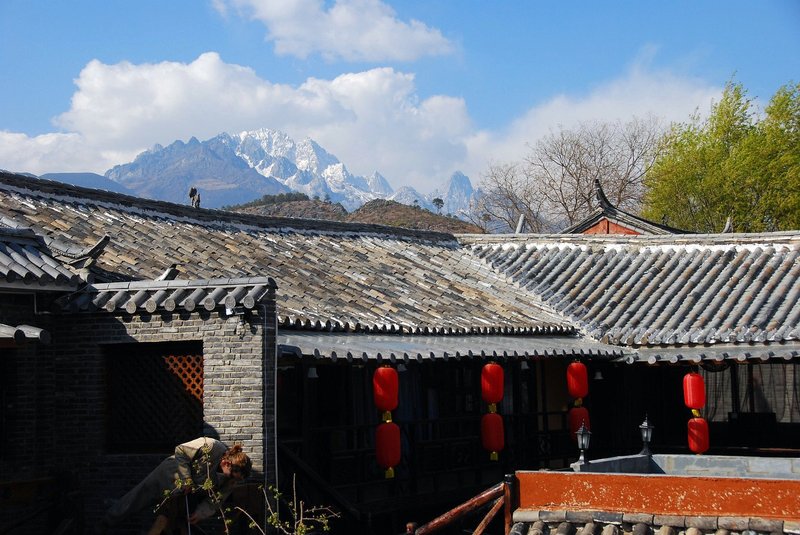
x=507, y=193
x=555, y=181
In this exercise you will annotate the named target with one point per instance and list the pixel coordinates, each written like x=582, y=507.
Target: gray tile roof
x=717, y=353
x=20, y=334
x=26, y=262
x=396, y=348
x=152, y=296
x=660, y=290
x=329, y=275
x=549, y=522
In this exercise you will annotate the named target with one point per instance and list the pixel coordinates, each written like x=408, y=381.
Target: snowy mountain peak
x=458, y=182
x=233, y=169
x=311, y=157
x=378, y=184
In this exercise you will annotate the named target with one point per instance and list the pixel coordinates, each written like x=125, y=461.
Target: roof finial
x=169, y=274
x=520, y=224
x=728, y=228
x=602, y=200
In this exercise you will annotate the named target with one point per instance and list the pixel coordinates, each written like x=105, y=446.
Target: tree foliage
x=554, y=185
x=733, y=163
x=267, y=200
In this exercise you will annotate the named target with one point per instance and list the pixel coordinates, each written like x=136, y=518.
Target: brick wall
x=67, y=380
x=26, y=415
x=25, y=382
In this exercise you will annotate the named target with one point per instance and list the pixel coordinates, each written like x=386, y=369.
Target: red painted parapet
x=660, y=494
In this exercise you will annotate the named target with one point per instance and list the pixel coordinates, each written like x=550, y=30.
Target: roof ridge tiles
x=52, y=189
x=181, y=283
x=786, y=238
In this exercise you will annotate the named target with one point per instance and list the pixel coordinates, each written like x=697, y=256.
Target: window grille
x=154, y=396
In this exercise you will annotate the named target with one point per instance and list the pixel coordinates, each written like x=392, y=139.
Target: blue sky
x=414, y=89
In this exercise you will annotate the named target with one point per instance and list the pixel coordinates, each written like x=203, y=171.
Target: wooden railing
x=503, y=496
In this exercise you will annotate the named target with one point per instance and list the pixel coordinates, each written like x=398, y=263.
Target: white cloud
x=639, y=92
x=352, y=30
x=372, y=120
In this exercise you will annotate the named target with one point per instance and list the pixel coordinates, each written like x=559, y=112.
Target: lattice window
x=155, y=396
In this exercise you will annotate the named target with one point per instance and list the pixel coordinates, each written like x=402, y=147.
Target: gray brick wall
x=61, y=391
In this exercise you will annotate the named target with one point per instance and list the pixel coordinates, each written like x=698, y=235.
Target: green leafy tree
x=438, y=203
x=732, y=164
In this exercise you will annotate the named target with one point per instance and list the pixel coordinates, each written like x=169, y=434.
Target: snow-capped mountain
x=305, y=167
x=410, y=196
x=167, y=173
x=456, y=194
x=233, y=169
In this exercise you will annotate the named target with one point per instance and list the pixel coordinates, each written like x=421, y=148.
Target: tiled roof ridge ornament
x=602, y=200
x=728, y=228
x=170, y=273
x=79, y=257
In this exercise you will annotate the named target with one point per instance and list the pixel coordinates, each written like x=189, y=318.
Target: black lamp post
x=583, y=435
x=647, y=434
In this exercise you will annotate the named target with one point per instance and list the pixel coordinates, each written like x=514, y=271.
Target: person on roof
x=202, y=473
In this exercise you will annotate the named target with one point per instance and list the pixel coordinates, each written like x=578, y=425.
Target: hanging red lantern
x=387, y=447
x=577, y=380
x=694, y=391
x=385, y=387
x=492, y=434
x=492, y=383
x=698, y=435
x=578, y=416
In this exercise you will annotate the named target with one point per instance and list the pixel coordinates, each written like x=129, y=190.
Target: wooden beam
x=467, y=507
x=498, y=503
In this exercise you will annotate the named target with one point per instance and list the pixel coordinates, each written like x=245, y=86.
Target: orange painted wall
x=604, y=226
x=660, y=494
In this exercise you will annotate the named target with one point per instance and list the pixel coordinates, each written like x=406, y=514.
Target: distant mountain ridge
x=235, y=169
x=376, y=211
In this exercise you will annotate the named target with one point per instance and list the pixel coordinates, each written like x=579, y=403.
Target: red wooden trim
x=660, y=494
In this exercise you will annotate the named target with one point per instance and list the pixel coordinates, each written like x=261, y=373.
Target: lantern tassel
x=579, y=402
x=494, y=456
x=696, y=413
x=390, y=473
x=386, y=416
x=492, y=407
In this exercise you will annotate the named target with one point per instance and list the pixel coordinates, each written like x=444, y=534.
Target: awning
x=364, y=347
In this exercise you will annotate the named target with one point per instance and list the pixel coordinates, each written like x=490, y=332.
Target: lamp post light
x=583, y=435
x=647, y=434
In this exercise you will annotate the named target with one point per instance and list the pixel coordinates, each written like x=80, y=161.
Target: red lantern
x=694, y=391
x=385, y=387
x=698, y=435
x=577, y=380
x=387, y=447
x=578, y=416
x=492, y=434
x=492, y=383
